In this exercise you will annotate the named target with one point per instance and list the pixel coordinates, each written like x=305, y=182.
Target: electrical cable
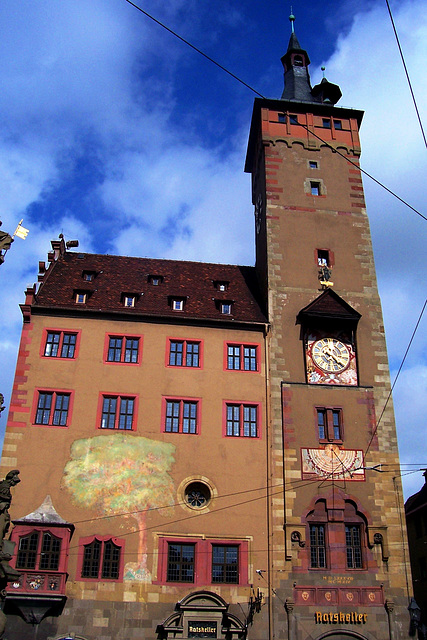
x=407, y=74
x=248, y=86
x=397, y=375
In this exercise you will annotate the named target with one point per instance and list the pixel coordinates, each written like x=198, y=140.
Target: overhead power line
x=407, y=74
x=248, y=86
x=397, y=375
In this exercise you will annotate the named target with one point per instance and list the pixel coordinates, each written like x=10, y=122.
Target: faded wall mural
x=122, y=475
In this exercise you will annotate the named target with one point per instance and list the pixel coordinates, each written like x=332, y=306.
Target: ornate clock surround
x=328, y=332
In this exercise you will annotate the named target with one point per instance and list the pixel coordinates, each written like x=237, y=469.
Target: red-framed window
x=117, y=411
x=100, y=558
x=184, y=353
x=52, y=407
x=209, y=561
x=62, y=344
x=242, y=419
x=330, y=426
x=181, y=415
x=41, y=556
x=122, y=349
x=241, y=356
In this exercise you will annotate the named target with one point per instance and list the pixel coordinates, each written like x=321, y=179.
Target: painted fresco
x=332, y=463
x=122, y=475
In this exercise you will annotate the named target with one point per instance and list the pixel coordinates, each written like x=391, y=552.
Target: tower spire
x=297, y=78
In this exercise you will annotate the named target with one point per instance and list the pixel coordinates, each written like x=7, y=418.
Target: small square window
x=293, y=119
x=326, y=123
x=226, y=308
x=315, y=188
x=338, y=125
x=129, y=301
x=155, y=280
x=178, y=305
x=313, y=164
x=281, y=117
x=323, y=258
x=81, y=298
x=329, y=425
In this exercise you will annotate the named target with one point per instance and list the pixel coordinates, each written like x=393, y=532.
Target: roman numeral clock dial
x=330, y=361
x=330, y=355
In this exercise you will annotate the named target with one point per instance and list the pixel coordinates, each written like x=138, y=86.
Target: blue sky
x=117, y=134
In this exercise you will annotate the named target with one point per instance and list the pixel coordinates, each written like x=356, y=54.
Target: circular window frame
x=199, y=482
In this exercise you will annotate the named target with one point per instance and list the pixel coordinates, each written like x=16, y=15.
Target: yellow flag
x=21, y=231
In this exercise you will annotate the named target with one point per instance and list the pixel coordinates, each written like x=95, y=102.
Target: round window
x=197, y=495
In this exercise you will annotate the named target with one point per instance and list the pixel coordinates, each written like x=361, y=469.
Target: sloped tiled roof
x=329, y=305
x=116, y=276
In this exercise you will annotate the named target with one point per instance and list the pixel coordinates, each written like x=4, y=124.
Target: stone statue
x=5, y=240
x=12, y=479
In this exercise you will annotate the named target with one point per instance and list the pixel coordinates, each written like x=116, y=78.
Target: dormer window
x=221, y=285
x=129, y=301
x=80, y=297
x=88, y=276
x=226, y=308
x=178, y=304
x=155, y=280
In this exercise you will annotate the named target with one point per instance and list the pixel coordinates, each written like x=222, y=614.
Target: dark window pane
x=131, y=350
x=180, y=563
x=115, y=349
x=225, y=566
x=44, y=406
x=60, y=413
x=175, y=353
x=108, y=419
x=110, y=561
x=317, y=546
x=249, y=359
x=321, y=423
x=192, y=355
x=126, y=413
x=52, y=344
x=172, y=416
x=27, y=551
x=233, y=420
x=189, y=419
x=233, y=357
x=91, y=559
x=68, y=345
x=50, y=552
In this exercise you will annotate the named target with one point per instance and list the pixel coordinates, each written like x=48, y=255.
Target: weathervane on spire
x=292, y=20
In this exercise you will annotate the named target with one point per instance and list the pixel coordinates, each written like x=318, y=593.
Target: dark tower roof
x=297, y=78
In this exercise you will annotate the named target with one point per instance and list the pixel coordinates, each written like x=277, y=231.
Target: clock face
x=330, y=355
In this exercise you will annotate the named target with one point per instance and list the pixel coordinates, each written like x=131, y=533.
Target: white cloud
x=97, y=79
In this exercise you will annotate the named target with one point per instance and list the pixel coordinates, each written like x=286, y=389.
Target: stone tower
x=338, y=554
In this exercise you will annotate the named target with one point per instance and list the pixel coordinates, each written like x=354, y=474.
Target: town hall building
x=199, y=444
